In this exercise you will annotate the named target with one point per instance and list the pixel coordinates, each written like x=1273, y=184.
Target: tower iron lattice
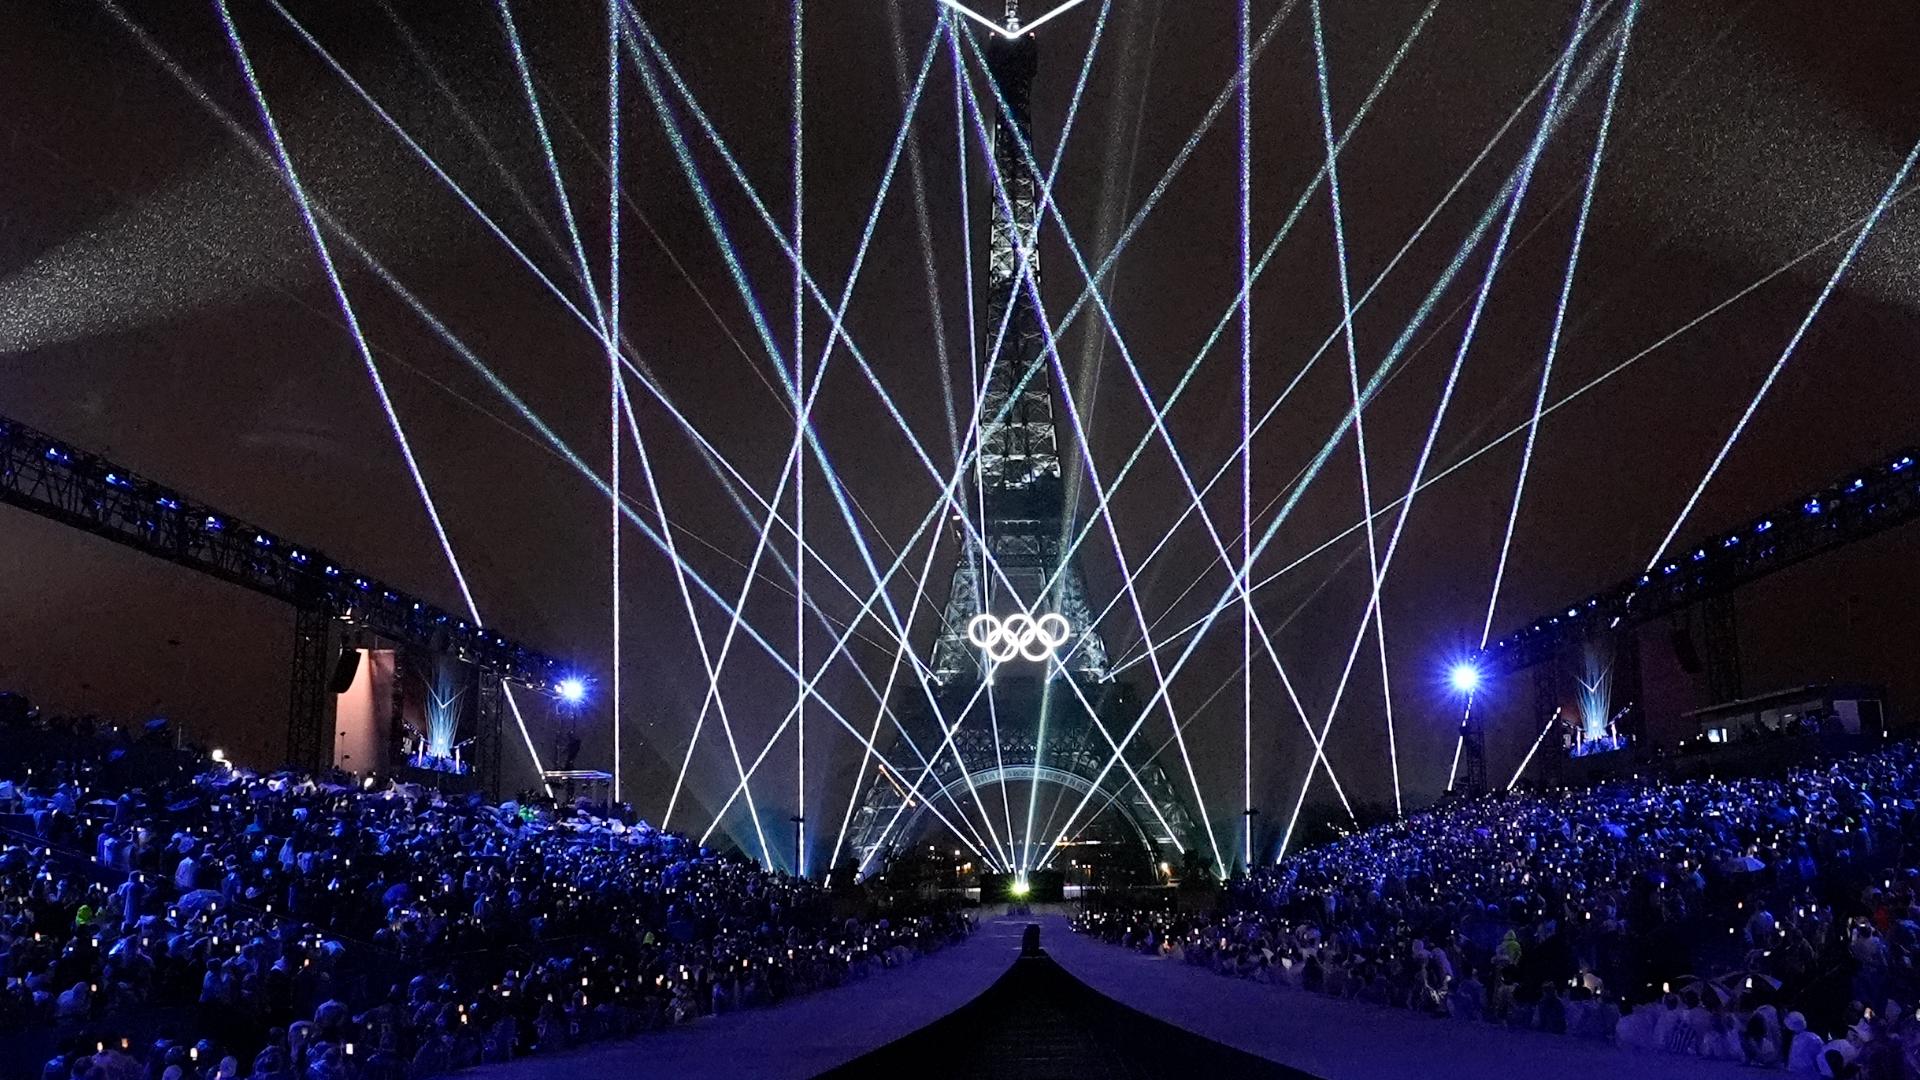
x=1019, y=564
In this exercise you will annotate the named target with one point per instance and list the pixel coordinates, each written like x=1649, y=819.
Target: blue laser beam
x=1229, y=316
x=611, y=335
x=711, y=454
x=798, y=141
x=1242, y=23
x=1157, y=411
x=1531, y=750
x=837, y=332
x=893, y=673
x=1567, y=399
x=1053, y=352
x=866, y=369
x=1494, y=263
x=290, y=176
x=1560, y=314
x=1313, y=468
x=558, y=446
x=1485, y=222
x=1353, y=385
x=1031, y=284
x=1025, y=275
x=525, y=71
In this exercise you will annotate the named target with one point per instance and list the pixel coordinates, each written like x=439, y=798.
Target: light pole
x=1470, y=750
x=799, y=843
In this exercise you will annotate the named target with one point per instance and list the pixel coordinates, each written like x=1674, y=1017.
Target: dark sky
x=159, y=301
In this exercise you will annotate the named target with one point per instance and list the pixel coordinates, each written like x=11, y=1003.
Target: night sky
x=160, y=302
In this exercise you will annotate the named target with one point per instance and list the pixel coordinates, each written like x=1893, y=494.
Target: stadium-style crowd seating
x=207, y=923
x=1772, y=921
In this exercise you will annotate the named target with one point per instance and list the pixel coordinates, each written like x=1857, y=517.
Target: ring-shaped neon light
x=1019, y=635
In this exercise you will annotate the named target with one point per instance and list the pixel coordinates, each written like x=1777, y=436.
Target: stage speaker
x=344, y=669
x=1684, y=651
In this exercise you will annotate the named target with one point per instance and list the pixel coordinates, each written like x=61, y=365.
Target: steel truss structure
x=1019, y=480
x=309, y=705
x=1861, y=504
x=1069, y=755
x=1043, y=736
x=62, y=483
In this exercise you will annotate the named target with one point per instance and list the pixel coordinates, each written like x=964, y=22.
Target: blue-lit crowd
x=1771, y=921
x=225, y=925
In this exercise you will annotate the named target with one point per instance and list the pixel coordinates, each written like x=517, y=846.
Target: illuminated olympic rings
x=1019, y=636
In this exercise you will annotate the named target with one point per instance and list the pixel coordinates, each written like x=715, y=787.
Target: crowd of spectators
x=228, y=925
x=1771, y=921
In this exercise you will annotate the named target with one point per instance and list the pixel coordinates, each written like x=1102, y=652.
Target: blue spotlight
x=1464, y=678
x=572, y=690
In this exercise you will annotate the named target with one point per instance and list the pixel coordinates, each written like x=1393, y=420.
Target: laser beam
x=611, y=334
x=1560, y=314
x=1494, y=262
x=1866, y=229
x=1353, y=384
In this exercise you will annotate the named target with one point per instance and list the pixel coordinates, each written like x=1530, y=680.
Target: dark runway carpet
x=1037, y=1022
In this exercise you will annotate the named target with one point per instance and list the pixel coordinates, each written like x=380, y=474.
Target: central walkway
x=1041, y=1023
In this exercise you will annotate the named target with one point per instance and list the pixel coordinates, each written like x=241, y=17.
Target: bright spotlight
x=1019, y=888
x=218, y=755
x=571, y=691
x=1465, y=678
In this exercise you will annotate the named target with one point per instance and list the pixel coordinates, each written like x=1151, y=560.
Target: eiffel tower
x=1018, y=725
